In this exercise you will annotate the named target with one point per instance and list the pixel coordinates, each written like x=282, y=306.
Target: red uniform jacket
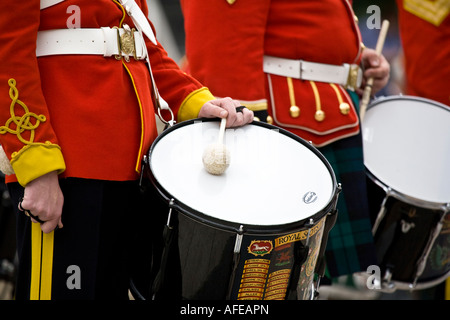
x=85, y=116
x=226, y=42
x=425, y=33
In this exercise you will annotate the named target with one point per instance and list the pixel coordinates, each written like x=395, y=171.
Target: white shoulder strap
x=139, y=19
x=133, y=11
x=49, y=3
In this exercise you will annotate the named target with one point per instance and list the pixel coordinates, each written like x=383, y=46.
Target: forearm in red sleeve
x=26, y=133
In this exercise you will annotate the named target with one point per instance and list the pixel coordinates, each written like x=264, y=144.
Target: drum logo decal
x=406, y=226
x=309, y=197
x=260, y=247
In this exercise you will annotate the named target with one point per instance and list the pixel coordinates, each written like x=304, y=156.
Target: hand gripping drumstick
x=369, y=84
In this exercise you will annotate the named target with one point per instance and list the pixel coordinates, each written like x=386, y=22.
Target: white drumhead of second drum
x=272, y=179
x=406, y=144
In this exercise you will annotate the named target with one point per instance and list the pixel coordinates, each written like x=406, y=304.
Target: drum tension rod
x=169, y=216
x=309, y=226
x=143, y=165
x=238, y=242
x=236, y=259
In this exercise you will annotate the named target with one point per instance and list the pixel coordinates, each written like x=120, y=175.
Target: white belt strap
x=49, y=3
x=133, y=11
x=102, y=41
x=347, y=75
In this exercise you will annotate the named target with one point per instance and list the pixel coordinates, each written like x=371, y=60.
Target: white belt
x=347, y=75
x=103, y=41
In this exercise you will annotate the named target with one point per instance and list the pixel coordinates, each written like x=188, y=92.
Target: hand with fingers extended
x=227, y=108
x=43, y=202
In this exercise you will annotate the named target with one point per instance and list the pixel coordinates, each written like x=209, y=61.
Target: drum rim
x=443, y=206
x=381, y=99
x=236, y=226
x=402, y=196
x=419, y=285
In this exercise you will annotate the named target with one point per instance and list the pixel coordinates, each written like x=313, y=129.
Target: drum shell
x=413, y=244
x=210, y=269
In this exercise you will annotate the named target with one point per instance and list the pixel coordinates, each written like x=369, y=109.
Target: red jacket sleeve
x=26, y=133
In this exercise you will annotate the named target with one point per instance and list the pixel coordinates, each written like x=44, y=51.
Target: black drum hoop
x=382, y=99
x=442, y=206
x=235, y=227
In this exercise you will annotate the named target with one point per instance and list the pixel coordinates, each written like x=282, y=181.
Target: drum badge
x=309, y=197
x=260, y=247
x=406, y=226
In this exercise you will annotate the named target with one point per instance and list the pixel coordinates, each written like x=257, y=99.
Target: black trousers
x=110, y=230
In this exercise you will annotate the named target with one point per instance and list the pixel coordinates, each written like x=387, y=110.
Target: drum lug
x=236, y=259
x=387, y=284
x=308, y=225
x=169, y=216
x=143, y=164
x=446, y=208
x=238, y=242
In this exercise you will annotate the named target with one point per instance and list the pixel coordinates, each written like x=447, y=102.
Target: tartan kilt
x=350, y=246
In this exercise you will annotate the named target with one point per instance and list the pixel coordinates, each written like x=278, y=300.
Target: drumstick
x=368, y=88
x=223, y=124
x=216, y=157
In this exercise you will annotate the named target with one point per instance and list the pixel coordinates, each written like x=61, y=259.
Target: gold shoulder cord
x=319, y=115
x=294, y=110
x=344, y=107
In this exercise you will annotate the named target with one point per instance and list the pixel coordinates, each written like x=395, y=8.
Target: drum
x=257, y=231
x=406, y=144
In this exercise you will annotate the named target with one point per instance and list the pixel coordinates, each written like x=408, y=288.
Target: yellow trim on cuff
x=33, y=161
x=191, y=106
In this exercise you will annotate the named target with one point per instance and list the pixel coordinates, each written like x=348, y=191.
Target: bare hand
x=377, y=67
x=44, y=199
x=226, y=108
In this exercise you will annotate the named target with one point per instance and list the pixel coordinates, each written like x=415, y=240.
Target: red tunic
x=93, y=116
x=225, y=45
x=425, y=33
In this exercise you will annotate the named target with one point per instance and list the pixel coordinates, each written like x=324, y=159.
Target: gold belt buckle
x=354, y=77
x=126, y=43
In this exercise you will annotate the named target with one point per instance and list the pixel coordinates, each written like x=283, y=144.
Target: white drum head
x=272, y=178
x=407, y=146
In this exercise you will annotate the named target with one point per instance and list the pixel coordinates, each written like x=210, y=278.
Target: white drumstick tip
x=216, y=157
